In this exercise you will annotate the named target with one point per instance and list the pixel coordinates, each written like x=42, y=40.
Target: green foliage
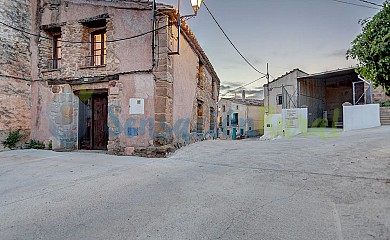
x=13, y=138
x=50, y=145
x=34, y=144
x=372, y=48
x=385, y=104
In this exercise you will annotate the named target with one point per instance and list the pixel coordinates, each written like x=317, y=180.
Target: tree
x=372, y=48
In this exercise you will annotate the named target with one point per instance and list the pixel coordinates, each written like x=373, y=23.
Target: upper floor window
x=200, y=75
x=99, y=50
x=279, y=99
x=57, y=52
x=213, y=92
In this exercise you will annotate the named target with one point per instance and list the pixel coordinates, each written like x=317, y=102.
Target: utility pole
x=267, y=90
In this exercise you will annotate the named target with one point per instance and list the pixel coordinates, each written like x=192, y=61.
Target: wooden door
x=100, y=128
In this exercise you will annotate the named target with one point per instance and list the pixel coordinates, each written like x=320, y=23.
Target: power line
x=372, y=3
x=246, y=60
x=355, y=4
x=243, y=86
x=82, y=42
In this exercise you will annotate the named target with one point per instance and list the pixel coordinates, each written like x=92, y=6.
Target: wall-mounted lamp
x=196, y=5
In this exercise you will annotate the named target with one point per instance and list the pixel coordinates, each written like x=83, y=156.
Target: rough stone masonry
x=15, y=67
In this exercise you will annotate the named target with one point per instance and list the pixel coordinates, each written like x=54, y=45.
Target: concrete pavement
x=319, y=186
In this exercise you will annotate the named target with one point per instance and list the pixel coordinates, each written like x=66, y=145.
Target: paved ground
x=307, y=187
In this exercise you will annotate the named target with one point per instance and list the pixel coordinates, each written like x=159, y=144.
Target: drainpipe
x=154, y=34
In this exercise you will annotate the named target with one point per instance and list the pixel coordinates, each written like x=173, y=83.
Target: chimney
x=243, y=94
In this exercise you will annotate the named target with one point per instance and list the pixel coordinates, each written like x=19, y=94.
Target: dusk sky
x=312, y=35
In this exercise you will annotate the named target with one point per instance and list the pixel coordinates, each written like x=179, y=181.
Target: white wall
x=290, y=123
x=361, y=117
x=294, y=121
x=272, y=125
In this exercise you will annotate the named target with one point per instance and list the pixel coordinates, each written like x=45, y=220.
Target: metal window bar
x=54, y=63
x=95, y=60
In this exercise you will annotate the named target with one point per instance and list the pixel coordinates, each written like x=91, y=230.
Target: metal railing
x=366, y=96
x=54, y=63
x=95, y=60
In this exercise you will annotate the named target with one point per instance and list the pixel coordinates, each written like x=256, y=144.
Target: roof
x=330, y=74
x=286, y=74
x=247, y=101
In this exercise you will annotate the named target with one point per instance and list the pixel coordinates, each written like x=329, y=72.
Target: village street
x=321, y=186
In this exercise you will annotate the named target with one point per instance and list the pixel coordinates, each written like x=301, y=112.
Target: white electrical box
x=137, y=106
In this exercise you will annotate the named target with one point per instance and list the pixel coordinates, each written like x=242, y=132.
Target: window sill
x=52, y=70
x=89, y=67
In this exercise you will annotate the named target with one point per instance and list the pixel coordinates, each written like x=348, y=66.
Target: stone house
x=240, y=118
x=15, y=68
x=106, y=80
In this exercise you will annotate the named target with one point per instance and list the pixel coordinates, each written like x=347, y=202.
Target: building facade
x=281, y=93
x=15, y=68
x=107, y=79
x=240, y=118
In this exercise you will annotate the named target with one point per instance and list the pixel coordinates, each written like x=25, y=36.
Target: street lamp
x=196, y=5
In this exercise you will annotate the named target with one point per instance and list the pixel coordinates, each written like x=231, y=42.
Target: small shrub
x=13, y=138
x=385, y=104
x=35, y=144
x=50, y=145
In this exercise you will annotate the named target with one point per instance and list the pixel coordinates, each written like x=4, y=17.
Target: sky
x=312, y=35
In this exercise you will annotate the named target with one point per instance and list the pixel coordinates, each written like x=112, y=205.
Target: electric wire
x=372, y=3
x=230, y=41
x=233, y=90
x=83, y=42
x=355, y=4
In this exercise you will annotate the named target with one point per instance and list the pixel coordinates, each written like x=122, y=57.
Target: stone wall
x=379, y=95
x=15, y=67
x=75, y=56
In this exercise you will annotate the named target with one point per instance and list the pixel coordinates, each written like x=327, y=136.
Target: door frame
x=97, y=92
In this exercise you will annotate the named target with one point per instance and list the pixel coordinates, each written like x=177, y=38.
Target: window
x=200, y=75
x=99, y=50
x=212, y=119
x=235, y=119
x=57, y=52
x=228, y=132
x=227, y=120
x=223, y=108
x=213, y=90
x=279, y=99
x=200, y=126
x=237, y=107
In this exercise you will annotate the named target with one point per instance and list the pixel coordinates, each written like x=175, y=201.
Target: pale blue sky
x=312, y=35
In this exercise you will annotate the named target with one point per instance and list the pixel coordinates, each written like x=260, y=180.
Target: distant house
x=282, y=92
x=322, y=93
x=240, y=118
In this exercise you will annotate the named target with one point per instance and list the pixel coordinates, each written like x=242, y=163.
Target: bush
x=13, y=138
x=34, y=144
x=385, y=104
